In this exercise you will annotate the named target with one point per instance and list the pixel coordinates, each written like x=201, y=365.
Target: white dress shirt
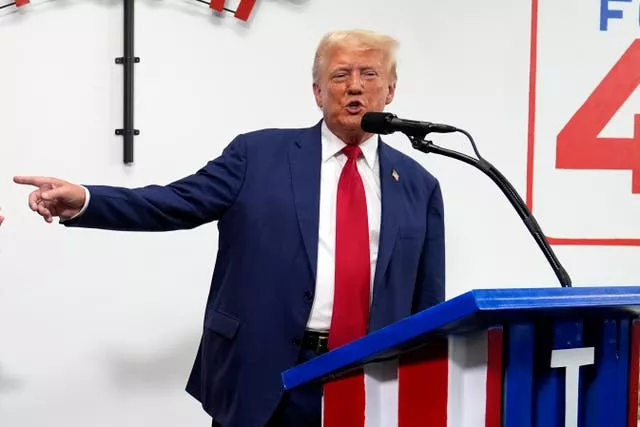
x=332, y=163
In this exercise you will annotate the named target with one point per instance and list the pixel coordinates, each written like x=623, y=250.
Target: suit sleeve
x=184, y=204
x=430, y=281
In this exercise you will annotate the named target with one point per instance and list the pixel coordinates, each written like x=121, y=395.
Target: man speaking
x=325, y=234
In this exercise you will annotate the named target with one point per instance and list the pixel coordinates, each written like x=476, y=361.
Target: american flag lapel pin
x=395, y=175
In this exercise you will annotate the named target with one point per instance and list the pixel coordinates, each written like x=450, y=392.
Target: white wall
x=100, y=328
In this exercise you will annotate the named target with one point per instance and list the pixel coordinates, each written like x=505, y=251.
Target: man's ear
x=317, y=92
x=392, y=93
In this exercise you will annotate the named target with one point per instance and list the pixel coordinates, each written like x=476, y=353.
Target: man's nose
x=354, y=84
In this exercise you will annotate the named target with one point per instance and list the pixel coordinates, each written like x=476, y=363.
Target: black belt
x=315, y=341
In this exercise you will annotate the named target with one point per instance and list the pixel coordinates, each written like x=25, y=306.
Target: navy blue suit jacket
x=264, y=192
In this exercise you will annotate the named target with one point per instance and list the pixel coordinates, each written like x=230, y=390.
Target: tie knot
x=352, y=152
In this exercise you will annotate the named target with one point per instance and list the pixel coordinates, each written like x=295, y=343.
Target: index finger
x=33, y=180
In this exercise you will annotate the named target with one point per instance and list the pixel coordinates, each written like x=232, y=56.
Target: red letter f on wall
x=243, y=11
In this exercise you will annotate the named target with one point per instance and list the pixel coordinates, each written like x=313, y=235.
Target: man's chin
x=348, y=125
x=352, y=122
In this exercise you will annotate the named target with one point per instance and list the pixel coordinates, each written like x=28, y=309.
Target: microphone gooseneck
x=416, y=131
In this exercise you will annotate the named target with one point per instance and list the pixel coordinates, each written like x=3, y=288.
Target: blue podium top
x=473, y=310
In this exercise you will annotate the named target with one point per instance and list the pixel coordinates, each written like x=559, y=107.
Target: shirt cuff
x=87, y=196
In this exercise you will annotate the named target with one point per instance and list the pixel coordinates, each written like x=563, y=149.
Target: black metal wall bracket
x=122, y=60
x=128, y=131
x=121, y=132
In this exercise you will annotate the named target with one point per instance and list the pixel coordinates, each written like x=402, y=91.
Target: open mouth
x=354, y=107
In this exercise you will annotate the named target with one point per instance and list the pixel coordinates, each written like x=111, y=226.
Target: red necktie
x=344, y=398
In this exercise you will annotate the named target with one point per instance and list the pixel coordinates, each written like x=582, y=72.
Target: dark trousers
x=300, y=407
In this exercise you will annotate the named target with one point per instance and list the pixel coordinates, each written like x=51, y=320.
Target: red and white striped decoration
x=455, y=382
x=242, y=12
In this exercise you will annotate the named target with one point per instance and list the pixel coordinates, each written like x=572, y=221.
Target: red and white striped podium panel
x=492, y=358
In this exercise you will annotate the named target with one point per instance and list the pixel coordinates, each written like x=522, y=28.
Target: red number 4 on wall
x=242, y=12
x=579, y=146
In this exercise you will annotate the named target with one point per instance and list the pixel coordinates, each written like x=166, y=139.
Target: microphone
x=386, y=123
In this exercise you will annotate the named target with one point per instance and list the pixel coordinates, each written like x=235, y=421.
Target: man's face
x=353, y=82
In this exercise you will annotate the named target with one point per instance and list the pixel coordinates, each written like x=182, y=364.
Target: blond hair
x=363, y=39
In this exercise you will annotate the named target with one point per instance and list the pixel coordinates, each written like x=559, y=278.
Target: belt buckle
x=322, y=339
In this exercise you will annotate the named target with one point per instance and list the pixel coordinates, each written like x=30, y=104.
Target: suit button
x=296, y=341
x=308, y=295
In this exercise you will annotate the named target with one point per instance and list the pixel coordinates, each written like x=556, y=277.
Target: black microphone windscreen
x=374, y=122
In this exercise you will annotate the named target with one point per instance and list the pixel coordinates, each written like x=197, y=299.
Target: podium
x=497, y=357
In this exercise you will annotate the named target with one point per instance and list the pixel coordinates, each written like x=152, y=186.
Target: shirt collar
x=332, y=145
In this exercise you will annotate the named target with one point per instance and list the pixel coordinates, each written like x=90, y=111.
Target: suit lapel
x=391, y=196
x=305, y=162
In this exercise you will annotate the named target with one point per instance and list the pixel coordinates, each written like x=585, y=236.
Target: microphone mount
x=425, y=146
